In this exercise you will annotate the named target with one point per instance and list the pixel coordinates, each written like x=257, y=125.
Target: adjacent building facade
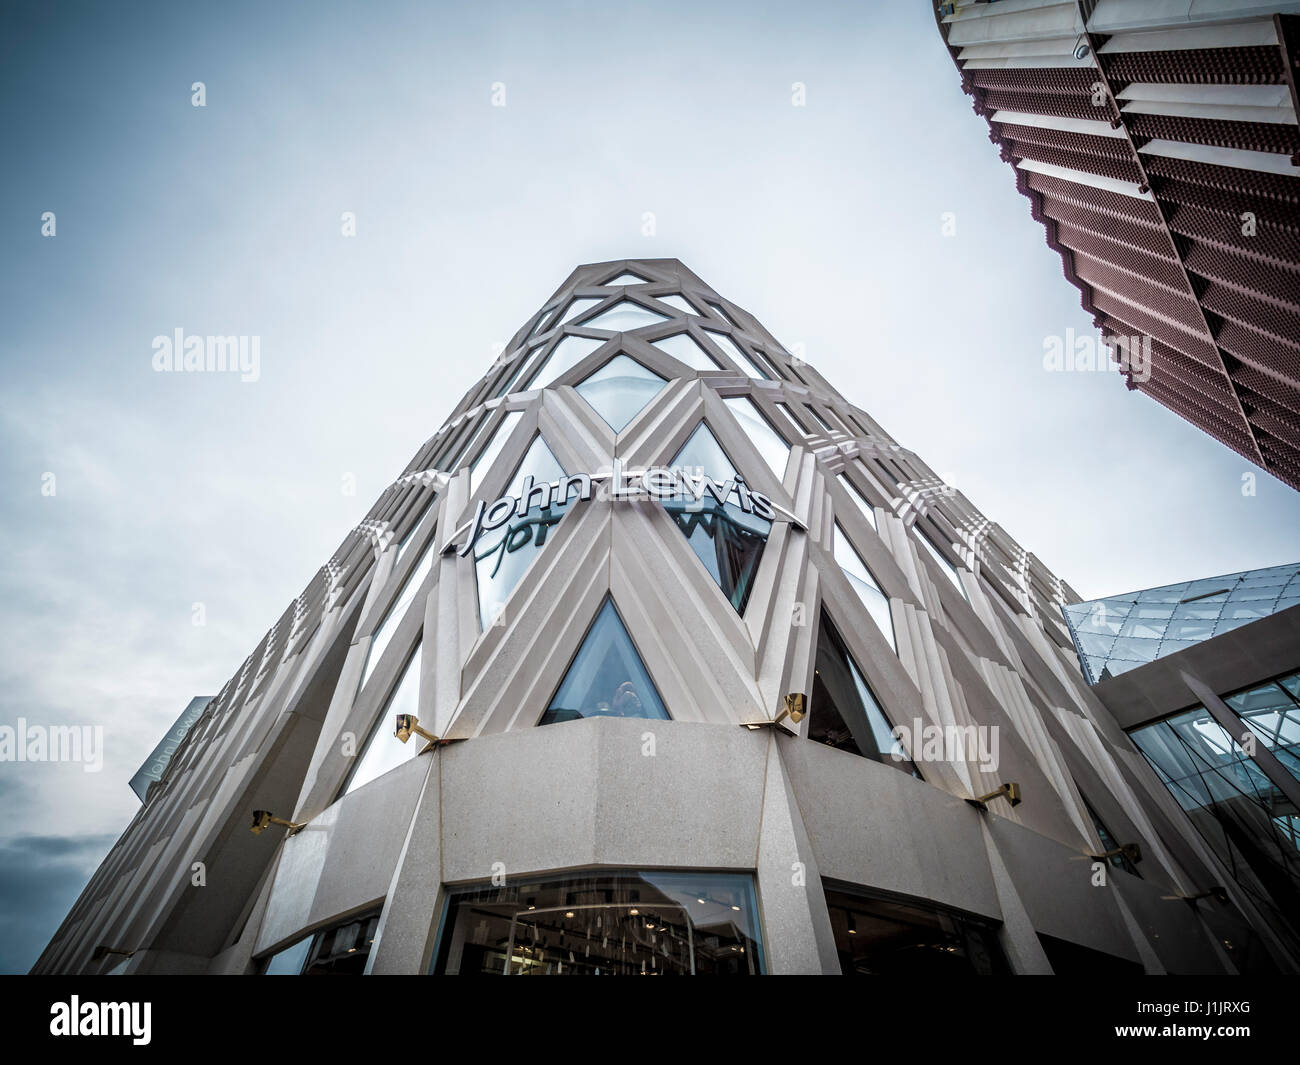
x=1158, y=145
x=700, y=672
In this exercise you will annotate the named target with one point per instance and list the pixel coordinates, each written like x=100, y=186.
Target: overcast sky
x=825, y=221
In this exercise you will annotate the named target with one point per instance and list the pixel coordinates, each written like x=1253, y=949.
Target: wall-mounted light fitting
x=409, y=724
x=1010, y=791
x=795, y=708
x=1131, y=851
x=264, y=819
x=1218, y=893
x=102, y=951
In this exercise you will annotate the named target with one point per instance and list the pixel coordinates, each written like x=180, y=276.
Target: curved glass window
x=579, y=306
x=877, y=603
x=774, y=450
x=604, y=923
x=724, y=537
x=625, y=316
x=844, y=712
x=683, y=348
x=383, y=751
x=619, y=390
x=502, y=556
x=564, y=357
x=338, y=951
x=606, y=677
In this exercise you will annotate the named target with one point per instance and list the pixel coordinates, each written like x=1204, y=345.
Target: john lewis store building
x=662, y=658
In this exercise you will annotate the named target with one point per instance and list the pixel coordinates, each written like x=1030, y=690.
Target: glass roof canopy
x=1122, y=632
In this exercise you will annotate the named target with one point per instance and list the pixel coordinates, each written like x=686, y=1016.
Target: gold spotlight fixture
x=795, y=708
x=1131, y=851
x=264, y=819
x=408, y=725
x=1010, y=791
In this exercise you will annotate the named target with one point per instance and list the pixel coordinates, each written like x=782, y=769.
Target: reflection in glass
x=774, y=450
x=606, y=677
x=564, y=357
x=619, y=390
x=502, y=556
x=844, y=713
x=383, y=751
x=625, y=316
x=887, y=937
x=604, y=923
x=865, y=585
x=726, y=539
x=1241, y=814
x=338, y=951
x=683, y=348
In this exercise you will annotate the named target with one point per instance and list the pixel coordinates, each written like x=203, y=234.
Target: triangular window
x=625, y=316
x=626, y=279
x=383, y=750
x=606, y=677
x=726, y=538
x=844, y=713
x=683, y=348
x=502, y=556
x=774, y=450
x=678, y=303
x=619, y=390
x=877, y=603
x=564, y=357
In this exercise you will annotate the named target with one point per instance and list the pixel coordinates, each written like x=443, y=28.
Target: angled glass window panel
x=946, y=567
x=289, y=962
x=1095, y=643
x=625, y=316
x=720, y=312
x=678, y=303
x=383, y=750
x=774, y=450
x=790, y=424
x=735, y=351
x=393, y=619
x=818, y=418
x=489, y=453
x=868, y=511
x=844, y=713
x=564, y=357
x=727, y=540
x=876, y=602
x=625, y=279
x=579, y=307
x=502, y=556
x=606, y=677
x=619, y=390
x=684, y=349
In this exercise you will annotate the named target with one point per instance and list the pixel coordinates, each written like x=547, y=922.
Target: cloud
x=40, y=879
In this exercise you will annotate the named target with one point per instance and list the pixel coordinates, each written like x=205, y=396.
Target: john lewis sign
x=620, y=483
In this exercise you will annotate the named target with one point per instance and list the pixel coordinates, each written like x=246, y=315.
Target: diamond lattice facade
x=699, y=671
